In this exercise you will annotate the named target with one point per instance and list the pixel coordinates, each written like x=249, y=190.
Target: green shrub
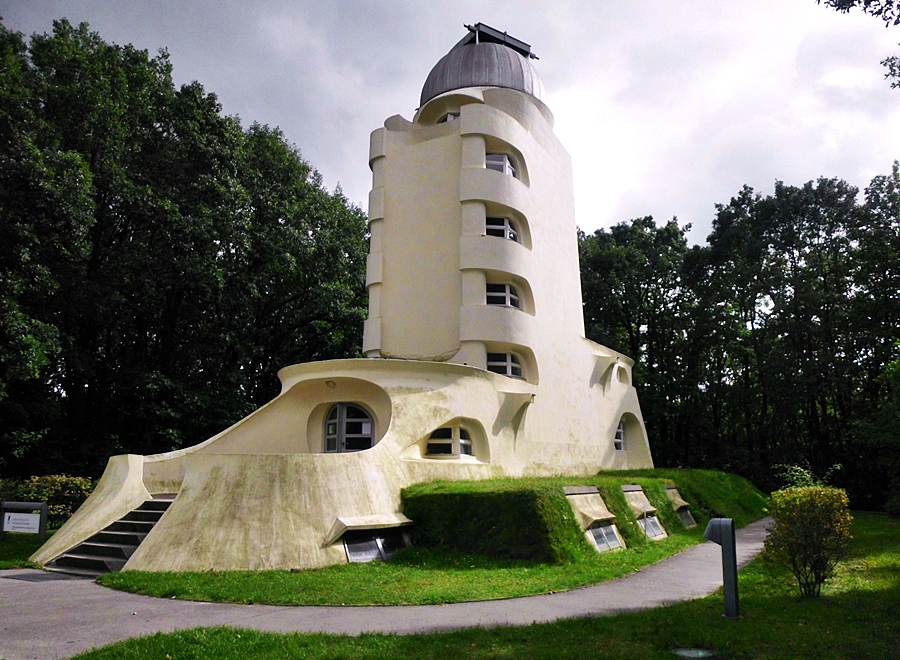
x=803, y=475
x=8, y=489
x=810, y=534
x=516, y=521
x=63, y=494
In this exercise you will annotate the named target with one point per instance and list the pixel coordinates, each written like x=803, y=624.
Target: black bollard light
x=721, y=531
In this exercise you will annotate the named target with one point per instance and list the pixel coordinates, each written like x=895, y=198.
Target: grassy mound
x=531, y=519
x=481, y=540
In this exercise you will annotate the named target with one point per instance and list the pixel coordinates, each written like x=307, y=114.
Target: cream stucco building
x=475, y=360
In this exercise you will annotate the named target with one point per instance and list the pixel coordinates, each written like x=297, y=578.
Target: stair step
x=109, y=550
x=155, y=505
x=138, y=515
x=70, y=570
x=103, y=564
x=114, y=550
x=119, y=538
x=139, y=526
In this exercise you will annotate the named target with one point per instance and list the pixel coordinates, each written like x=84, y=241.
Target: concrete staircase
x=108, y=550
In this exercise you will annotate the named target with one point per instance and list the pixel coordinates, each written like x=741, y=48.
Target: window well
x=644, y=512
x=651, y=526
x=365, y=545
x=604, y=536
x=681, y=507
x=594, y=517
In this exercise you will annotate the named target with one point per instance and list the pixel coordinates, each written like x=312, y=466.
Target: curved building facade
x=474, y=255
x=475, y=365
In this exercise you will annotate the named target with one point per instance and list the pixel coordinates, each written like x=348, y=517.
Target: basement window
x=604, y=536
x=503, y=294
x=348, y=428
x=505, y=364
x=501, y=163
x=365, y=545
x=501, y=228
x=682, y=508
x=687, y=518
x=650, y=525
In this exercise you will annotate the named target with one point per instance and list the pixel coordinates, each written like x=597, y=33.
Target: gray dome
x=482, y=65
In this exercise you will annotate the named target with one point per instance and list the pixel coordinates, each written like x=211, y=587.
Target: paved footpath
x=48, y=615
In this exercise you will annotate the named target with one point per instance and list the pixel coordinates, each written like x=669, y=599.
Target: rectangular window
x=496, y=294
x=505, y=364
x=501, y=228
x=605, y=537
x=619, y=441
x=360, y=443
x=502, y=294
x=501, y=163
x=686, y=517
x=361, y=550
x=650, y=525
x=465, y=443
x=365, y=545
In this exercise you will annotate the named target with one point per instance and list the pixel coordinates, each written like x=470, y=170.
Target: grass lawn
x=412, y=577
x=15, y=549
x=426, y=575
x=856, y=617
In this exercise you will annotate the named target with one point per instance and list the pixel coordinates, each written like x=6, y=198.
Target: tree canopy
x=773, y=343
x=158, y=263
x=886, y=10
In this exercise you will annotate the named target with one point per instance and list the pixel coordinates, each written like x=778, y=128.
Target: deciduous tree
x=159, y=262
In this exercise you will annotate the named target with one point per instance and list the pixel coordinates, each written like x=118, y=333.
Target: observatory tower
x=475, y=365
x=474, y=254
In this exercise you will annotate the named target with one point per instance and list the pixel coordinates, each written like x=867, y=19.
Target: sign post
x=20, y=517
x=721, y=531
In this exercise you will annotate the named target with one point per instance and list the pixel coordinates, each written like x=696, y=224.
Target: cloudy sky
x=667, y=107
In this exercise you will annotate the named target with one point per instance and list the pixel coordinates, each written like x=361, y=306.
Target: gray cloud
x=667, y=108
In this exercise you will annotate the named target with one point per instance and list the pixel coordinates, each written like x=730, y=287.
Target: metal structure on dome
x=485, y=57
x=481, y=33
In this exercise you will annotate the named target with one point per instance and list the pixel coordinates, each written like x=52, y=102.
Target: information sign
x=21, y=517
x=22, y=522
